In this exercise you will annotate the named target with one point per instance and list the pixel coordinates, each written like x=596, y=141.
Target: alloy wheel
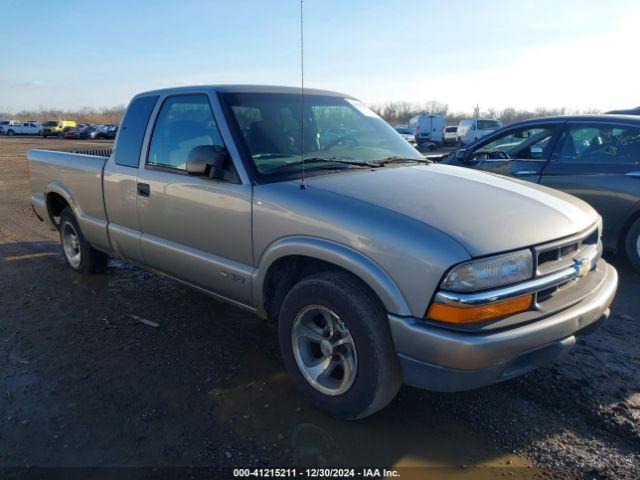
x=324, y=350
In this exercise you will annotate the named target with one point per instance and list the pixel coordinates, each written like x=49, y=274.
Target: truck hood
x=483, y=212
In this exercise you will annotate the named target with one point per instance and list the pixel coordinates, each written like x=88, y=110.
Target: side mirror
x=207, y=160
x=463, y=154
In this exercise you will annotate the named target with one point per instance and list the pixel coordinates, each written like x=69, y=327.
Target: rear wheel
x=80, y=256
x=336, y=344
x=632, y=244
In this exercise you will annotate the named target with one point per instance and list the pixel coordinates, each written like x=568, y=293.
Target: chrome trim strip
x=530, y=286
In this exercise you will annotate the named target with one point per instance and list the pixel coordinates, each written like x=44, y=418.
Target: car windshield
x=404, y=131
x=488, y=124
x=338, y=132
x=51, y=124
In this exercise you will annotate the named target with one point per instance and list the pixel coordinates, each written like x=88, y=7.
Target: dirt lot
x=83, y=383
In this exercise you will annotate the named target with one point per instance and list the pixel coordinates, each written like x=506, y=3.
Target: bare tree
x=400, y=112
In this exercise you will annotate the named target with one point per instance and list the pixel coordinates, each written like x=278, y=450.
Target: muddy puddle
x=263, y=406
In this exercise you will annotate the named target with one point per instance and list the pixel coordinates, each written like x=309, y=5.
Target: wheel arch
x=57, y=197
x=322, y=255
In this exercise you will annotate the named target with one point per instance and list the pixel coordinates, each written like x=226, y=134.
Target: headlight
x=490, y=272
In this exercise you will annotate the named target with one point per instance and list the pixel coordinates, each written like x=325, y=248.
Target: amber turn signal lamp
x=459, y=314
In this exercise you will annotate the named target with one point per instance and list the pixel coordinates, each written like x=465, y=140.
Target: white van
x=427, y=128
x=470, y=130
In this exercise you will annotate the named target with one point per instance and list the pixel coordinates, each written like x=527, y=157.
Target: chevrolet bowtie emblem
x=583, y=266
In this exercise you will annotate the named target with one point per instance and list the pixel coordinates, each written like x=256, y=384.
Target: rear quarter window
x=131, y=133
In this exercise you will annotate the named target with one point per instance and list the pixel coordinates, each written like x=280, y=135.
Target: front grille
x=549, y=293
x=559, y=255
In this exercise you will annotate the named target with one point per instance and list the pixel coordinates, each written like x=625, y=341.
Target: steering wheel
x=343, y=140
x=501, y=155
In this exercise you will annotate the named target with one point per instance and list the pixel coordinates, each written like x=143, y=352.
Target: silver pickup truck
x=378, y=266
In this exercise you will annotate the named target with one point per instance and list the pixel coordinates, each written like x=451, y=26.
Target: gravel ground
x=84, y=383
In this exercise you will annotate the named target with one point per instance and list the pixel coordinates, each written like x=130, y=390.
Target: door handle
x=144, y=190
x=525, y=172
x=633, y=174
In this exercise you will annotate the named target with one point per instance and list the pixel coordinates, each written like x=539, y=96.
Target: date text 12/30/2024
x=315, y=473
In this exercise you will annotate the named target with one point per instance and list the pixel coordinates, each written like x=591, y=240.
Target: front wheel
x=80, y=256
x=632, y=244
x=336, y=344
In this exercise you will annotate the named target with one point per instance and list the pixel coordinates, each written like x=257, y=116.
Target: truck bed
x=77, y=177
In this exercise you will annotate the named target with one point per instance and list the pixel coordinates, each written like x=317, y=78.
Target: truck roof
x=244, y=89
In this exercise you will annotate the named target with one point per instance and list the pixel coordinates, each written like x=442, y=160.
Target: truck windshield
x=341, y=130
x=51, y=124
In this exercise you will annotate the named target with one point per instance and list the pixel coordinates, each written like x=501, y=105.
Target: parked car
x=594, y=157
x=31, y=127
x=111, y=132
x=472, y=130
x=629, y=111
x=450, y=135
x=374, y=266
x=88, y=132
x=406, y=134
x=427, y=128
x=104, y=131
x=6, y=125
x=74, y=133
x=57, y=127
x=14, y=127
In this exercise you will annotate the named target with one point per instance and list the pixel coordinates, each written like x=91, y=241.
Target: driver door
x=196, y=229
x=520, y=152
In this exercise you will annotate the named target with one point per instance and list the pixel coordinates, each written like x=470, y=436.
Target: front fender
x=356, y=263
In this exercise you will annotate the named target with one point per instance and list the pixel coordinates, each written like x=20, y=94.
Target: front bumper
x=444, y=360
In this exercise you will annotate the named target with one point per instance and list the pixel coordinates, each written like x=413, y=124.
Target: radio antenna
x=302, y=184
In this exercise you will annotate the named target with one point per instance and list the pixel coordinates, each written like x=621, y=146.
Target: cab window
x=600, y=144
x=129, y=143
x=184, y=122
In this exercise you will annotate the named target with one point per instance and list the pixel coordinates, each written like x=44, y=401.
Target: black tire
x=632, y=244
x=378, y=375
x=11, y=133
x=90, y=260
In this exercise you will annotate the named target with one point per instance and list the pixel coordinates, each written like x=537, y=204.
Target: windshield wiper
x=396, y=159
x=338, y=160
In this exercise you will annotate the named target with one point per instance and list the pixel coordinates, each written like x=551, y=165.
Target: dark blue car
x=594, y=157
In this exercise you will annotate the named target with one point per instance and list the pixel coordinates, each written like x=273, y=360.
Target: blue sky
x=71, y=54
